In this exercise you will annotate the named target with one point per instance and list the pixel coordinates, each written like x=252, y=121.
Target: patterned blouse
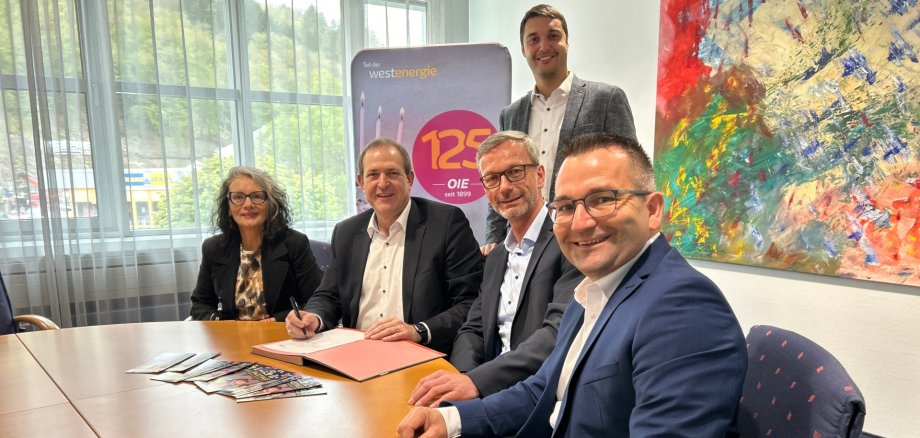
x=250, y=298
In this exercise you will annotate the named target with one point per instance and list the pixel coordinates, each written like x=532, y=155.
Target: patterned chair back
x=322, y=251
x=795, y=388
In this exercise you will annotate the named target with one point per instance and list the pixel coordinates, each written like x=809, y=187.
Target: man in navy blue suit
x=647, y=347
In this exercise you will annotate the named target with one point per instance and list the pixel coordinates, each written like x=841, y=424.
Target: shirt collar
x=531, y=236
x=400, y=223
x=611, y=281
x=564, y=88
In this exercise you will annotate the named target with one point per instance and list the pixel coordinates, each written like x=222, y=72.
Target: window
x=396, y=23
x=183, y=111
x=120, y=118
x=195, y=95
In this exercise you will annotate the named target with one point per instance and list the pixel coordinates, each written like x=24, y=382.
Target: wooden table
x=63, y=375
x=30, y=403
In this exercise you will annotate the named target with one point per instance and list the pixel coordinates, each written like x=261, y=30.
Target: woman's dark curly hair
x=278, y=212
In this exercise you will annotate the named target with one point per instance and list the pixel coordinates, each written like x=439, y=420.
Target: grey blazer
x=592, y=107
x=442, y=267
x=548, y=285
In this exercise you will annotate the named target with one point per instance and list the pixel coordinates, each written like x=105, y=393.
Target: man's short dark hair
x=383, y=142
x=544, y=11
x=643, y=176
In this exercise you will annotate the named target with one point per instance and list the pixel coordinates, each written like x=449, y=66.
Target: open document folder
x=346, y=351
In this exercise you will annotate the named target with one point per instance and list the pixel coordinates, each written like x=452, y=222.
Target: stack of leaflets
x=261, y=382
x=244, y=381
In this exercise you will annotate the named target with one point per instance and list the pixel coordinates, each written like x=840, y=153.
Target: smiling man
x=408, y=269
x=647, y=347
x=526, y=283
x=560, y=106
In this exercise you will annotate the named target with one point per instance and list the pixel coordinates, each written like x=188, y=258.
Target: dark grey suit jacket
x=549, y=282
x=442, y=268
x=288, y=269
x=592, y=107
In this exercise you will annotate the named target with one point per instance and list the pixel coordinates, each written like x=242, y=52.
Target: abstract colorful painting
x=788, y=134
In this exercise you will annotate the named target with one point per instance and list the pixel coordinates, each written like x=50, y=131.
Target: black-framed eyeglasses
x=597, y=204
x=238, y=198
x=513, y=173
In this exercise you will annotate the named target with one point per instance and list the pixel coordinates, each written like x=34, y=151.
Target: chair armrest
x=38, y=321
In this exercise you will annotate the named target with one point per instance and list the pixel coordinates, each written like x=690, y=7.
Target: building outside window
x=119, y=118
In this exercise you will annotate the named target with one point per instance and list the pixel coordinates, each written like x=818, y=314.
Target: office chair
x=322, y=251
x=9, y=324
x=795, y=388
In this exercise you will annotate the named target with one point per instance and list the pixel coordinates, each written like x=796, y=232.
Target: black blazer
x=591, y=107
x=442, y=268
x=288, y=269
x=549, y=283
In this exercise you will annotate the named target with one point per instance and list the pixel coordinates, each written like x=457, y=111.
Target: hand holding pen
x=299, y=324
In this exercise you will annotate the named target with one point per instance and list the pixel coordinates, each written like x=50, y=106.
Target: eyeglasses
x=238, y=198
x=514, y=174
x=597, y=204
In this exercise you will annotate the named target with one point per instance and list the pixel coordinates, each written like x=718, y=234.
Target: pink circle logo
x=444, y=155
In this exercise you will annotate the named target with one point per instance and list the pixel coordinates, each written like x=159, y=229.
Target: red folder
x=360, y=360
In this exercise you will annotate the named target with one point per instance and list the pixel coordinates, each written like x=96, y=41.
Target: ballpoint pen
x=296, y=309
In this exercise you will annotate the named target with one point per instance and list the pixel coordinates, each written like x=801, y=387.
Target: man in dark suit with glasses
x=511, y=327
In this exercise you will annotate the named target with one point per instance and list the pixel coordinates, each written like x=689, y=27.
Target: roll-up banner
x=439, y=102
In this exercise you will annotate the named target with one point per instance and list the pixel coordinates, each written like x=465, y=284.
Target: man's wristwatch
x=422, y=332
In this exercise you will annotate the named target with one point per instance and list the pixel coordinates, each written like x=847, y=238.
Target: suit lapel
x=227, y=264
x=572, y=109
x=273, y=271
x=415, y=234
x=491, y=290
x=643, y=267
x=623, y=292
x=522, y=114
x=360, y=247
x=538, y=423
x=543, y=239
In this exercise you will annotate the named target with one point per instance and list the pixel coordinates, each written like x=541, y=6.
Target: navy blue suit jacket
x=442, y=268
x=665, y=358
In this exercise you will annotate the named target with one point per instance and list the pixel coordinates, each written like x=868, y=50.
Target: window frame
x=101, y=95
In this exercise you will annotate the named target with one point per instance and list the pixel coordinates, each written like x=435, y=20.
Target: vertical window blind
x=119, y=118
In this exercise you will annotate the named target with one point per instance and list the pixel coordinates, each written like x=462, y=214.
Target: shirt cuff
x=320, y=328
x=452, y=417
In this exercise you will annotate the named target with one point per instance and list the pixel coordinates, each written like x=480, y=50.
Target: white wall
x=872, y=328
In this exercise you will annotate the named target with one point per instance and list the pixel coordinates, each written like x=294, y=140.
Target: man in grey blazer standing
x=561, y=105
x=526, y=284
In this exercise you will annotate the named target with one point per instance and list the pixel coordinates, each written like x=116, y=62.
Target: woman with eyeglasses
x=252, y=269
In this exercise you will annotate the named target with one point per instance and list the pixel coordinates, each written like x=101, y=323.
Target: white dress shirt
x=593, y=296
x=546, y=114
x=515, y=270
x=381, y=289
